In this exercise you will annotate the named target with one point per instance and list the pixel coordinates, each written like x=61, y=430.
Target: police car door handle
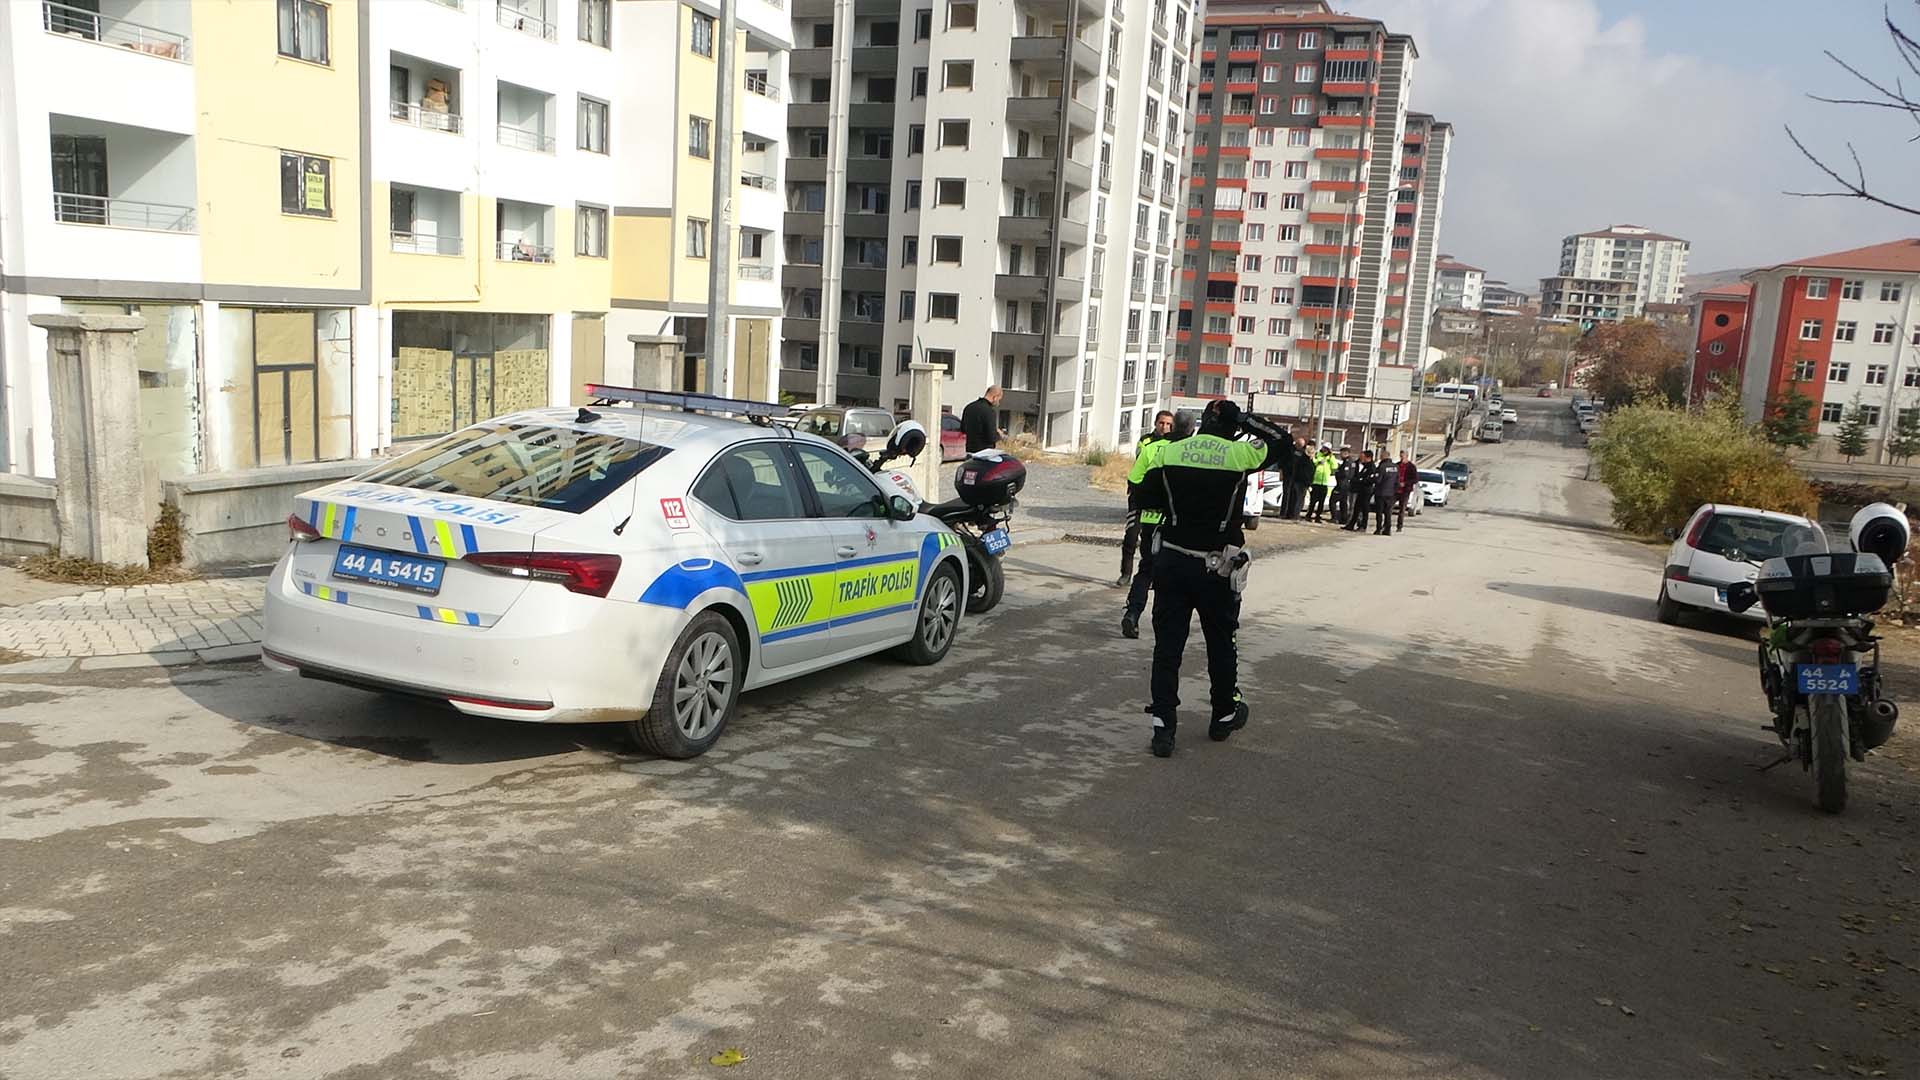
x=847, y=552
x=749, y=558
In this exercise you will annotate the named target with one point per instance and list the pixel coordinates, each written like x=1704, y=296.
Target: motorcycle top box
x=1813, y=586
x=989, y=478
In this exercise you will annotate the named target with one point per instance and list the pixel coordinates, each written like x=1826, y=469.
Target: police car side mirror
x=900, y=508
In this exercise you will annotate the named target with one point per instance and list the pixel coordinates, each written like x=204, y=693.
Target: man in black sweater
x=1364, y=481
x=980, y=420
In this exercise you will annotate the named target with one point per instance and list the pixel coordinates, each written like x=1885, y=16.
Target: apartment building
x=665, y=140
x=1498, y=295
x=1655, y=265
x=1843, y=329
x=1590, y=300
x=962, y=190
x=1312, y=218
x=1720, y=339
x=1457, y=285
x=493, y=182
x=204, y=165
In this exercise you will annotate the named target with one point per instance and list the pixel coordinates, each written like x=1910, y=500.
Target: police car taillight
x=298, y=529
x=589, y=575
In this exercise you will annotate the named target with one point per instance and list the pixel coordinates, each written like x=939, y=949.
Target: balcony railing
x=527, y=22
x=755, y=272
x=520, y=138
x=757, y=180
x=413, y=243
x=758, y=83
x=522, y=251
x=92, y=26
x=420, y=117
x=122, y=213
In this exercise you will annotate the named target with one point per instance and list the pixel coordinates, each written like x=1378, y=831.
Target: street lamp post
x=1339, y=324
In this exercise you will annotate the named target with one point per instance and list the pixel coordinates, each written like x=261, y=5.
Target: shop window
x=454, y=369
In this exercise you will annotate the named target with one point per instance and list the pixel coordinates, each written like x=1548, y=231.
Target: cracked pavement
x=1489, y=820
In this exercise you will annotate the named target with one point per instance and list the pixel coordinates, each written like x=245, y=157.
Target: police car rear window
x=529, y=464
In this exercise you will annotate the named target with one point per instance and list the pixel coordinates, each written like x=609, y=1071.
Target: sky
x=1570, y=115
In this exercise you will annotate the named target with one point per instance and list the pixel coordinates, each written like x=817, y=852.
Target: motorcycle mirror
x=854, y=442
x=1741, y=595
x=901, y=508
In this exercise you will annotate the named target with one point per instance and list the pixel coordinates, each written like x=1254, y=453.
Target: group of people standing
x=1348, y=489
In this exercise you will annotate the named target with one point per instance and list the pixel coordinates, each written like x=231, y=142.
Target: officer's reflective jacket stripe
x=1202, y=483
x=1147, y=503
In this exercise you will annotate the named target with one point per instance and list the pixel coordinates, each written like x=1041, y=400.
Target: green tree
x=1661, y=462
x=1788, y=420
x=1851, y=439
x=1905, y=441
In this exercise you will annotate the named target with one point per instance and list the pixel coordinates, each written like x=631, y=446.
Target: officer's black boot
x=1129, y=625
x=1224, y=726
x=1163, y=729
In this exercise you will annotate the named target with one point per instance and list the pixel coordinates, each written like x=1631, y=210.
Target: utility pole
x=725, y=185
x=1339, y=326
x=834, y=206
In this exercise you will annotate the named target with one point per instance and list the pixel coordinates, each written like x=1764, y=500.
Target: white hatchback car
x=1433, y=487
x=610, y=564
x=1724, y=544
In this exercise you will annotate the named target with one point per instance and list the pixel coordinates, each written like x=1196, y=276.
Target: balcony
x=523, y=232
x=799, y=275
x=1086, y=58
x=430, y=98
x=1023, y=343
x=531, y=22
x=1038, y=228
x=866, y=170
x=1044, y=112
x=810, y=61
x=1031, y=287
x=424, y=221
x=526, y=118
x=758, y=181
x=807, y=114
x=757, y=82
x=875, y=60
x=122, y=177
x=106, y=27
x=519, y=138
x=804, y=222
x=866, y=226
x=411, y=243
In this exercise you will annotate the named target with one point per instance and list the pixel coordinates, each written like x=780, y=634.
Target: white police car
x=636, y=564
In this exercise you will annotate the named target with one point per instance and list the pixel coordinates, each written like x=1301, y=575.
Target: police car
x=617, y=563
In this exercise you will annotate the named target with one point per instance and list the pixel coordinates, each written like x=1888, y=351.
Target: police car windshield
x=529, y=464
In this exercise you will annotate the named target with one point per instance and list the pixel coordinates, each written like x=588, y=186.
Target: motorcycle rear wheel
x=986, y=581
x=1827, y=716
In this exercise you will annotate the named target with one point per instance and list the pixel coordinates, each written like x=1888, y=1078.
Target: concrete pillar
x=656, y=361
x=94, y=385
x=924, y=381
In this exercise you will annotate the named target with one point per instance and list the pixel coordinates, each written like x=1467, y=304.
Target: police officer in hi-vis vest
x=1200, y=560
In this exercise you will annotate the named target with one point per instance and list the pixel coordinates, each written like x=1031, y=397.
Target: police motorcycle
x=1819, y=657
x=986, y=483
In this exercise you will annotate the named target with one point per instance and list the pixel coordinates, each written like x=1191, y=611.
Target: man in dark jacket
x=1365, y=477
x=1386, y=493
x=1343, y=475
x=1201, y=564
x=1409, y=488
x=1300, y=477
x=980, y=420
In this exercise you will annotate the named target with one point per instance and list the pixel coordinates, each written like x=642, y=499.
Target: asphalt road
x=1489, y=820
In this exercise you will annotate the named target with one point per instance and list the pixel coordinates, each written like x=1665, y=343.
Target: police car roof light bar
x=685, y=401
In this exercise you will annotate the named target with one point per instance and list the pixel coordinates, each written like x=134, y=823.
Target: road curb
x=61, y=665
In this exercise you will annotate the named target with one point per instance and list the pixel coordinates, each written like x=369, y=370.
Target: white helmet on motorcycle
x=908, y=440
x=1880, y=529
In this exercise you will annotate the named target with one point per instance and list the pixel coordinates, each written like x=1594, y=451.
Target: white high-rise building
x=1654, y=263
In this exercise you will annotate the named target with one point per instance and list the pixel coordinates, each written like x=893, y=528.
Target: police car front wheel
x=697, y=692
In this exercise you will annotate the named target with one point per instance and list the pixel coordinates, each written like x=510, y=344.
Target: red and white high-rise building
x=1312, y=218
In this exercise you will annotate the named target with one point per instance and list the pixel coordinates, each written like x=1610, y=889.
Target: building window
x=906, y=308
x=1883, y=333
x=1269, y=106
x=943, y=357
x=946, y=249
x=1309, y=39
x=943, y=305
x=1290, y=233
x=1251, y=263
x=1285, y=264
x=959, y=75
x=1270, y=73
x=702, y=39
x=949, y=191
x=1817, y=288
x=1831, y=411
x=1916, y=336
x=1283, y=294
x=1293, y=201
x=1910, y=377
x=1303, y=106
x=303, y=30
x=919, y=82
x=1838, y=370
x=1305, y=73
x=913, y=194
x=1717, y=348
x=594, y=18
x=1852, y=290
x=699, y=137
x=923, y=24
x=1803, y=371
x=961, y=14
x=1258, y=200
x=1810, y=329
x=1844, y=331
x=916, y=139
x=696, y=238
x=590, y=223
x=955, y=133
x=593, y=125
x=306, y=184
x=1249, y=294
x=1889, y=292
x=1876, y=373
x=1296, y=170
x=1245, y=324
x=1242, y=355
x=449, y=370
x=1276, y=358
x=1262, y=170
x=910, y=245
x=1871, y=414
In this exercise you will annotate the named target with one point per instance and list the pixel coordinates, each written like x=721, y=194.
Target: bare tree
x=1880, y=95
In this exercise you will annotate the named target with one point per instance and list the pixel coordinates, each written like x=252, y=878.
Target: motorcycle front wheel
x=1827, y=716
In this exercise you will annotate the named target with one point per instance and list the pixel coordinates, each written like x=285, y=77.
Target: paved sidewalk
x=136, y=626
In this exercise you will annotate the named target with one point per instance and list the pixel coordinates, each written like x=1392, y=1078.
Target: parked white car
x=1433, y=487
x=1508, y=416
x=1722, y=545
x=642, y=564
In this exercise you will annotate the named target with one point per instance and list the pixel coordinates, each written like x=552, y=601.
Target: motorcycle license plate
x=1828, y=678
x=996, y=541
x=1721, y=594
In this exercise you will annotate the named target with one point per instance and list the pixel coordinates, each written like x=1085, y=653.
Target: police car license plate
x=996, y=541
x=389, y=568
x=1828, y=678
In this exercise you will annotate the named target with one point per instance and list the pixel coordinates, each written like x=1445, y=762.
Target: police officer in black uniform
x=1200, y=561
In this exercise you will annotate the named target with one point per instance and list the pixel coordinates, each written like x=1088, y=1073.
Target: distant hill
x=1711, y=279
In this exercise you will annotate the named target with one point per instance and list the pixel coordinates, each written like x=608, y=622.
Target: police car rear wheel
x=939, y=617
x=698, y=689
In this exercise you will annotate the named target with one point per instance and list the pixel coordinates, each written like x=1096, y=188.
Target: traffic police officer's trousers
x=1182, y=587
x=1137, y=589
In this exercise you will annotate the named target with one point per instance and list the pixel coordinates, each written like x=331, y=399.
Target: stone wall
x=240, y=518
x=29, y=524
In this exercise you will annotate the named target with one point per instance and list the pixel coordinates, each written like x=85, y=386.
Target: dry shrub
x=78, y=571
x=1111, y=474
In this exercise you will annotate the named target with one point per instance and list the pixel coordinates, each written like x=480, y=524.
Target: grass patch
x=1111, y=473
x=76, y=571
x=1095, y=455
